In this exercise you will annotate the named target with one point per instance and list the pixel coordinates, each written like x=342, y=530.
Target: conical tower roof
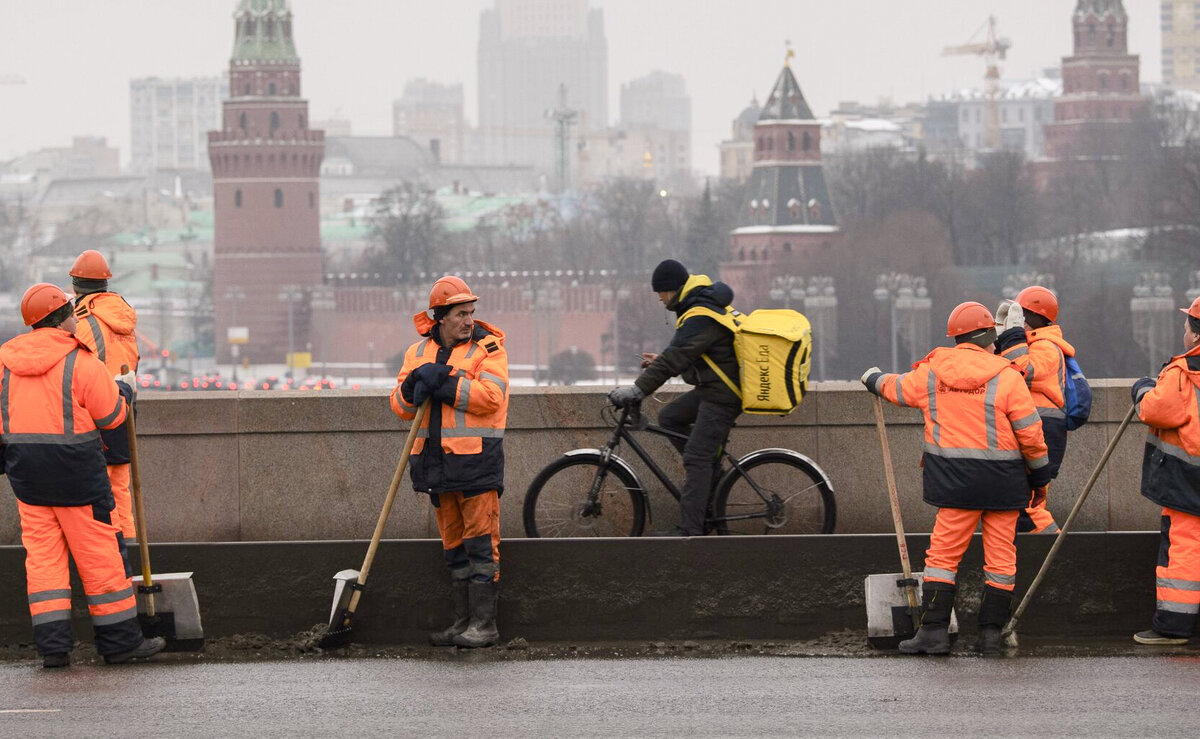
x=786, y=102
x=264, y=32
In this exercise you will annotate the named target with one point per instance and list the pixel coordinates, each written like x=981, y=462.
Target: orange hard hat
x=450, y=290
x=1193, y=310
x=40, y=301
x=1037, y=299
x=968, y=317
x=91, y=265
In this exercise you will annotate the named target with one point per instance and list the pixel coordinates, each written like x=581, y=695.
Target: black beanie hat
x=668, y=276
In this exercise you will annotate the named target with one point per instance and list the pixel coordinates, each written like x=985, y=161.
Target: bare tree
x=407, y=226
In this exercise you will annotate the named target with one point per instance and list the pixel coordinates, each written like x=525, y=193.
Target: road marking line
x=30, y=710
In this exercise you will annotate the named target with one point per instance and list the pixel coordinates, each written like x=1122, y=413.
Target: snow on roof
x=1035, y=88
x=877, y=125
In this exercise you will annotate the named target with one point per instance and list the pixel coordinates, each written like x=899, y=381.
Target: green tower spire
x=264, y=32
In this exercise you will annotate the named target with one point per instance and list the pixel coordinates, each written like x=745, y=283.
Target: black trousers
x=707, y=425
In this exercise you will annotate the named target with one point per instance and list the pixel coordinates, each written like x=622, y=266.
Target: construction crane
x=992, y=49
x=11, y=79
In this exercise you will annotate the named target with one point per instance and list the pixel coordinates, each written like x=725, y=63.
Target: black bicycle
x=594, y=492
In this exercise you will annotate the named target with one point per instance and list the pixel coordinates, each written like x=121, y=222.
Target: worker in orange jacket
x=54, y=397
x=1032, y=340
x=983, y=452
x=105, y=323
x=1171, y=478
x=461, y=367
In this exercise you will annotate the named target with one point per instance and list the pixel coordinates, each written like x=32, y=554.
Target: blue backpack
x=1077, y=395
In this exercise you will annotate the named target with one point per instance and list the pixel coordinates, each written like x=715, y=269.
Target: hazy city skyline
x=77, y=57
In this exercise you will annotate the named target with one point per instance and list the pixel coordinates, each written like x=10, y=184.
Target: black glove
x=626, y=396
x=1144, y=385
x=1038, y=477
x=406, y=388
x=433, y=374
x=421, y=392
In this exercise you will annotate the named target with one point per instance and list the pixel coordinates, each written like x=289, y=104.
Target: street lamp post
x=234, y=295
x=291, y=294
x=1151, y=307
x=819, y=303
x=907, y=294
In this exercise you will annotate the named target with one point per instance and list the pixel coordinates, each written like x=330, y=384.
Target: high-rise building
x=266, y=163
x=1101, y=97
x=431, y=114
x=658, y=100
x=737, y=153
x=1180, y=23
x=169, y=120
x=528, y=51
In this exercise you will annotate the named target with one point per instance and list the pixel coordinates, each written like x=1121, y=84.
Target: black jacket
x=698, y=335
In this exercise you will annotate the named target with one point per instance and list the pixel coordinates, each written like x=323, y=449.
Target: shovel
x=1010, y=629
x=167, y=604
x=350, y=583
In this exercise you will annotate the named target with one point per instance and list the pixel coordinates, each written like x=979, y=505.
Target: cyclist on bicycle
x=706, y=413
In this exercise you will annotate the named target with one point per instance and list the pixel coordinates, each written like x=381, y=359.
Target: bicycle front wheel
x=558, y=502
x=789, y=495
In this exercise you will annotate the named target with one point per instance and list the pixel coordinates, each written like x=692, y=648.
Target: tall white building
x=431, y=114
x=170, y=120
x=528, y=49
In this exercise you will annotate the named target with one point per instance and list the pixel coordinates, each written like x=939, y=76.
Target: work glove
x=627, y=396
x=1141, y=387
x=868, y=378
x=421, y=392
x=129, y=378
x=1009, y=315
x=1039, y=477
x=433, y=374
x=406, y=388
x=1037, y=497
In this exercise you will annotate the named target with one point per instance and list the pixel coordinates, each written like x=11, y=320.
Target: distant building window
x=787, y=247
x=312, y=200
x=807, y=141
x=274, y=121
x=270, y=88
x=760, y=145
x=237, y=199
x=246, y=89
x=278, y=198
x=301, y=121
x=242, y=122
x=791, y=141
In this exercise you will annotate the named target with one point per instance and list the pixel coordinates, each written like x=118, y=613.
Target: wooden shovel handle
x=139, y=510
x=413, y=429
x=894, y=499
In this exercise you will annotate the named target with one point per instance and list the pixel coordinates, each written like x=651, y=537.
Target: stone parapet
x=289, y=466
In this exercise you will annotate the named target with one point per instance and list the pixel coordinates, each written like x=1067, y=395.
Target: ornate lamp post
x=907, y=295
x=291, y=294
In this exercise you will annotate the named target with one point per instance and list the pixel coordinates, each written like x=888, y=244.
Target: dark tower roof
x=1100, y=8
x=786, y=102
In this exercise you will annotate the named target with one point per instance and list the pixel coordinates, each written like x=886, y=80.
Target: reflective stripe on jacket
x=460, y=446
x=106, y=325
x=54, y=396
x=981, y=427
x=1171, y=458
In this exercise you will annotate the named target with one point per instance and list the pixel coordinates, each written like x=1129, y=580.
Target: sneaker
x=50, y=661
x=148, y=648
x=1153, y=638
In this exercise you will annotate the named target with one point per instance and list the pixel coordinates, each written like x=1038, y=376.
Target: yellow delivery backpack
x=773, y=349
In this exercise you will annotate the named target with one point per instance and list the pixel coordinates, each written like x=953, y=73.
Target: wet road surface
x=464, y=696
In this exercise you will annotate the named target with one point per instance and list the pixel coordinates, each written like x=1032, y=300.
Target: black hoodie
x=698, y=335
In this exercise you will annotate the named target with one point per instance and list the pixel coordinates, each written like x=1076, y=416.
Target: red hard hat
x=1193, y=310
x=40, y=301
x=91, y=265
x=450, y=290
x=968, y=317
x=1037, y=299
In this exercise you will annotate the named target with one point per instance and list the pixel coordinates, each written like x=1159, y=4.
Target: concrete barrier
x=793, y=587
x=284, y=466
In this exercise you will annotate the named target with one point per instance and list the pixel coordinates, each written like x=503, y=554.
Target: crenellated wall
x=279, y=466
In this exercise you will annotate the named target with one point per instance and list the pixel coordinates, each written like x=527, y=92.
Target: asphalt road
x=737, y=696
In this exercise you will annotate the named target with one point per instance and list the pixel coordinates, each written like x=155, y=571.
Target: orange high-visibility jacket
x=981, y=428
x=1171, y=459
x=1041, y=354
x=460, y=446
x=106, y=325
x=54, y=396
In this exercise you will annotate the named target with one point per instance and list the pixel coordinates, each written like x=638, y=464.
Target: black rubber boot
x=148, y=648
x=937, y=600
x=481, y=632
x=462, y=616
x=993, y=614
x=62, y=659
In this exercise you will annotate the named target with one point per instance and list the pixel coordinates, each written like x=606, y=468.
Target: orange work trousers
x=1177, y=577
x=1037, y=519
x=122, y=515
x=470, y=530
x=952, y=531
x=86, y=534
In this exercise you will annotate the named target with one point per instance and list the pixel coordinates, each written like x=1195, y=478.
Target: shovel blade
x=176, y=612
x=888, y=619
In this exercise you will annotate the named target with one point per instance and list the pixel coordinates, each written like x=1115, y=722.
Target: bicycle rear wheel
x=557, y=504
x=798, y=496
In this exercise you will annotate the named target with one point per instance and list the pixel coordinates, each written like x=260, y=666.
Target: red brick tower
x=265, y=165
x=1101, y=96
x=787, y=214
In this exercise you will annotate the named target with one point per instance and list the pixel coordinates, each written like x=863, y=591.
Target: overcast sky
x=78, y=56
